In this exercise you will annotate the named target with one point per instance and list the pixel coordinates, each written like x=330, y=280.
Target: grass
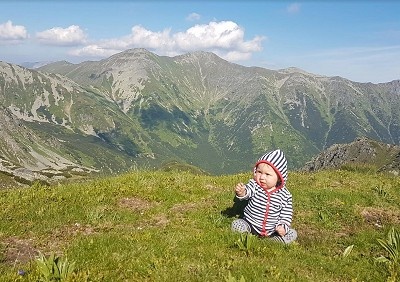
x=175, y=226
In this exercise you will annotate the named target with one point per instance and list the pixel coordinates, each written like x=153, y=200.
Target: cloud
x=8, y=31
x=193, y=17
x=72, y=35
x=235, y=56
x=293, y=8
x=225, y=35
x=224, y=38
x=93, y=51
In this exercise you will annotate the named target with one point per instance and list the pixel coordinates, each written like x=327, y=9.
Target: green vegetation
x=177, y=166
x=54, y=268
x=175, y=226
x=392, y=246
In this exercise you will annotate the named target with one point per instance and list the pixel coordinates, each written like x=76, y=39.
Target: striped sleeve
x=287, y=211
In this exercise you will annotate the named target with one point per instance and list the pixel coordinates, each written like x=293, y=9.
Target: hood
x=277, y=160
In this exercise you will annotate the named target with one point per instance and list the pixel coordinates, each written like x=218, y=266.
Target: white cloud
x=225, y=35
x=93, y=51
x=235, y=56
x=72, y=35
x=224, y=38
x=193, y=17
x=8, y=31
x=149, y=39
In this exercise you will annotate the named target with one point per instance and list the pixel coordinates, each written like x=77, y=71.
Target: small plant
x=322, y=216
x=347, y=251
x=274, y=272
x=392, y=246
x=94, y=216
x=231, y=278
x=382, y=193
x=54, y=268
x=246, y=242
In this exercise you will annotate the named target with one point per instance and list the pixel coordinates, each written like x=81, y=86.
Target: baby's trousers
x=242, y=226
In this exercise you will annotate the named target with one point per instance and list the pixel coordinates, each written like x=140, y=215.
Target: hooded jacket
x=266, y=210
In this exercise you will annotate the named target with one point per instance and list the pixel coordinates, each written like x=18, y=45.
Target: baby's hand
x=240, y=190
x=280, y=230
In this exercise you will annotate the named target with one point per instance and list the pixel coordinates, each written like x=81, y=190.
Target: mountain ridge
x=362, y=151
x=140, y=110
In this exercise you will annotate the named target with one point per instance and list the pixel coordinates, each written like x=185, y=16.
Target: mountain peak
x=292, y=70
x=142, y=52
x=200, y=55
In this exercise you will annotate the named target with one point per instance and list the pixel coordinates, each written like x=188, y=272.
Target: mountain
x=35, y=65
x=137, y=109
x=362, y=151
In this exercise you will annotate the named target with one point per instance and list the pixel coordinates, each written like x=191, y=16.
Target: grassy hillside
x=175, y=226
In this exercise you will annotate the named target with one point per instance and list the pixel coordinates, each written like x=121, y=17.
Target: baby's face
x=266, y=176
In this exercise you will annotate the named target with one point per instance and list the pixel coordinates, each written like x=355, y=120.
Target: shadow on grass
x=236, y=209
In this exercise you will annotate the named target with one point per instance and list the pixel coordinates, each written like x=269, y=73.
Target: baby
x=269, y=210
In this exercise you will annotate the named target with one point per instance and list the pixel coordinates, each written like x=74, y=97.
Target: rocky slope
x=362, y=151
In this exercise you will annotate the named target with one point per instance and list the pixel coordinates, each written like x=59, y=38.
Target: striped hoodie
x=266, y=210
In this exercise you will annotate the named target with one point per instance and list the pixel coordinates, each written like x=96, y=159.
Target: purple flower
x=21, y=272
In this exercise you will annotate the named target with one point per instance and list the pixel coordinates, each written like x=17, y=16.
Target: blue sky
x=357, y=40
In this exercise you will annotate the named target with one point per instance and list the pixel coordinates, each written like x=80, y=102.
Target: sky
x=354, y=39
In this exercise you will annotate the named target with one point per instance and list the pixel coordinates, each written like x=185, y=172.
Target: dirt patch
x=180, y=208
x=199, y=204
x=161, y=221
x=19, y=251
x=212, y=187
x=136, y=204
x=62, y=236
x=379, y=217
x=67, y=232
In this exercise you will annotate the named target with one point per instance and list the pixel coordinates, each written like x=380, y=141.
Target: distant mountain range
x=35, y=65
x=139, y=110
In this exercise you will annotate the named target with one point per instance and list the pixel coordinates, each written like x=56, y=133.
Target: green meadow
x=175, y=226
